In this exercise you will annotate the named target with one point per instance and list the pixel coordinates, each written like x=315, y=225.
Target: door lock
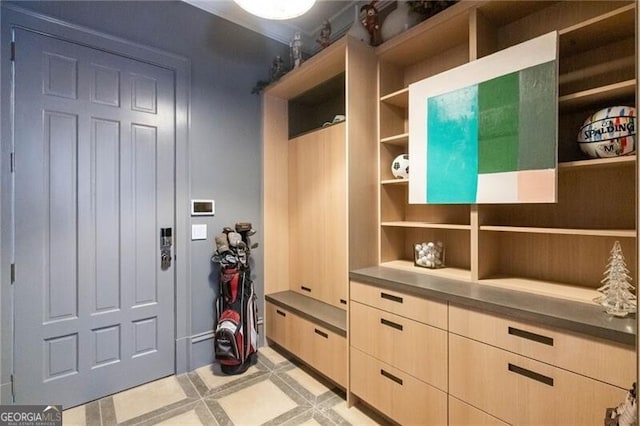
x=166, y=241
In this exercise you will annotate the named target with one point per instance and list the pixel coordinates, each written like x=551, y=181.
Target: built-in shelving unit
x=556, y=249
x=318, y=189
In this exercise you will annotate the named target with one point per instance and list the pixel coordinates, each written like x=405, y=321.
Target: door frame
x=12, y=17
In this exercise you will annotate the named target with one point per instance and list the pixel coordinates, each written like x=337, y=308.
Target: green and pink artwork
x=486, y=132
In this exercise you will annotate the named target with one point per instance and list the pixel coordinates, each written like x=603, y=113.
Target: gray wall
x=225, y=130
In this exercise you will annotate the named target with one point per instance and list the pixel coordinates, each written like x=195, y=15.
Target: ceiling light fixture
x=276, y=9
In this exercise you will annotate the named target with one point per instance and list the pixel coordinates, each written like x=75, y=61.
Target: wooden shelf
x=598, y=31
x=557, y=290
x=621, y=90
x=413, y=224
x=327, y=64
x=627, y=160
x=399, y=98
x=442, y=31
x=618, y=233
x=401, y=139
x=395, y=182
x=447, y=272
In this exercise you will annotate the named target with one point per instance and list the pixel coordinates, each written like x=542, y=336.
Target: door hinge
x=13, y=51
x=13, y=162
x=13, y=389
x=13, y=273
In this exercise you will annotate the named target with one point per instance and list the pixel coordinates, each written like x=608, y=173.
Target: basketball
x=609, y=132
x=400, y=167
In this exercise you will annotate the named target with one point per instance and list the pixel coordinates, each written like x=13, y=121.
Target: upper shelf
x=609, y=93
x=399, y=98
x=326, y=64
x=599, y=31
x=442, y=31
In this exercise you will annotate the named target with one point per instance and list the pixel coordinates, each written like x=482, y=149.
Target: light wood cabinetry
x=319, y=189
x=416, y=348
x=420, y=360
x=318, y=214
x=556, y=249
x=598, y=359
x=463, y=414
x=278, y=324
x=395, y=393
x=492, y=369
x=427, y=311
x=319, y=185
x=317, y=346
x=398, y=354
x=523, y=391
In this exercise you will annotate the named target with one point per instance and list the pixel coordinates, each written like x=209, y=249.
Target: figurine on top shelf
x=372, y=23
x=276, y=71
x=324, y=39
x=296, y=50
x=427, y=8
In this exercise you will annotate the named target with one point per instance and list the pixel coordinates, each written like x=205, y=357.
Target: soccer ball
x=400, y=167
x=609, y=132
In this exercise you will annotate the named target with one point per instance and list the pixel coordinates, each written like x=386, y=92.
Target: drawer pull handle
x=279, y=312
x=391, y=377
x=391, y=297
x=305, y=288
x=321, y=333
x=391, y=324
x=531, y=336
x=531, y=374
x=344, y=302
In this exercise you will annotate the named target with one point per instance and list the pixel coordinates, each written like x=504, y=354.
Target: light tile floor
x=275, y=391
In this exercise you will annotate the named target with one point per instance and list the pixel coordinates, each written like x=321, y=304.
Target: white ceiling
x=340, y=14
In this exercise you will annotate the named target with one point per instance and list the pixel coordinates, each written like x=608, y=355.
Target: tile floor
x=275, y=391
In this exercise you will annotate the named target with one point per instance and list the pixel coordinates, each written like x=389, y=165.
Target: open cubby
x=310, y=110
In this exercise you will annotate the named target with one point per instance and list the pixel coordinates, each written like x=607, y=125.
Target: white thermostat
x=203, y=207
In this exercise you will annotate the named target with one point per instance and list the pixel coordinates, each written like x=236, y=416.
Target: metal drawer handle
x=279, y=312
x=391, y=297
x=305, y=288
x=344, y=302
x=391, y=377
x=531, y=336
x=391, y=324
x=321, y=333
x=531, y=374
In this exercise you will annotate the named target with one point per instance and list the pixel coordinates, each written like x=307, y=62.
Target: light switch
x=199, y=232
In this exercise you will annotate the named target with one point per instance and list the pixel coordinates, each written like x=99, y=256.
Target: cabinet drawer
x=599, y=359
x=319, y=348
x=329, y=354
x=422, y=310
x=278, y=324
x=462, y=414
x=316, y=346
x=415, y=348
x=522, y=391
x=395, y=393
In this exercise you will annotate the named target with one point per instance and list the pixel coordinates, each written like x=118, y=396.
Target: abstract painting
x=486, y=131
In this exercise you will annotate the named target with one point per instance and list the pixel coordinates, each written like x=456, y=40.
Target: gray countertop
x=326, y=315
x=561, y=314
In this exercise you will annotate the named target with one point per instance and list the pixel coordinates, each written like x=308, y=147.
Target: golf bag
x=236, y=330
